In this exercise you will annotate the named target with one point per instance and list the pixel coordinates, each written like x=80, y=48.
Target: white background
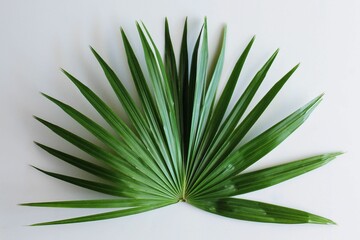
x=39, y=37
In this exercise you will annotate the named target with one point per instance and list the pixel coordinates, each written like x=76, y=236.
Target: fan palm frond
x=181, y=145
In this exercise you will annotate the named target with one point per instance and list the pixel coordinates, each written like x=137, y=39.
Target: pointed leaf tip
x=335, y=154
x=332, y=156
x=296, y=67
x=36, y=168
x=44, y=94
x=315, y=219
x=276, y=51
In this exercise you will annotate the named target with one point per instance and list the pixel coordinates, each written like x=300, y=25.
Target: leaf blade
x=98, y=203
x=107, y=215
x=259, y=212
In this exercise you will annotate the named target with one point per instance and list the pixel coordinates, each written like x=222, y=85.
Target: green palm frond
x=181, y=146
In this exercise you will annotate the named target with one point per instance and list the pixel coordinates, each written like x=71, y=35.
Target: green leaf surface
x=207, y=105
x=258, y=211
x=219, y=111
x=189, y=101
x=183, y=89
x=171, y=70
x=101, y=203
x=165, y=102
x=199, y=94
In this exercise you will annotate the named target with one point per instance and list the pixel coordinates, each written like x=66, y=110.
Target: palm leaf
x=181, y=145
